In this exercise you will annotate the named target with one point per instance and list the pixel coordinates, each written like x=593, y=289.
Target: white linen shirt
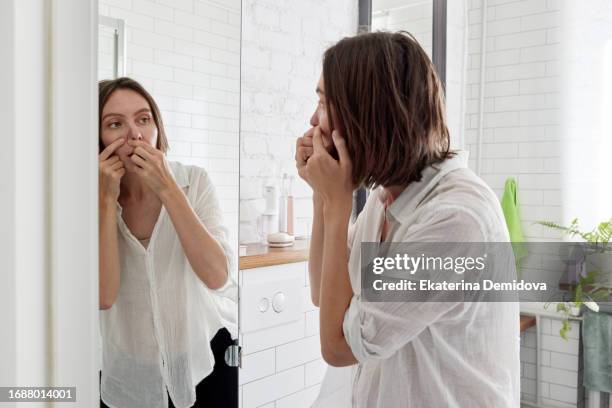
x=157, y=334
x=433, y=354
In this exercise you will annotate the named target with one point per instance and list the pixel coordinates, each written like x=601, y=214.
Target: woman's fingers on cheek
x=304, y=153
x=140, y=152
x=307, y=141
x=138, y=160
x=309, y=133
x=117, y=165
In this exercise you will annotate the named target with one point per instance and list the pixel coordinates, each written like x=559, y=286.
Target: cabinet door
x=271, y=296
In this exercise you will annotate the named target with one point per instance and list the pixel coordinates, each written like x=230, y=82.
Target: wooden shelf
x=527, y=322
x=260, y=255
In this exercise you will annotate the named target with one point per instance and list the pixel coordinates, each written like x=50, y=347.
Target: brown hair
x=106, y=89
x=384, y=92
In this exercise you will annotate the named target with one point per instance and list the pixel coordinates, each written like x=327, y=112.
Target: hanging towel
x=597, y=351
x=510, y=207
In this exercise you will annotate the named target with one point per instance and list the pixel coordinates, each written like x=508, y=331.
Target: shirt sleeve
x=376, y=330
x=207, y=208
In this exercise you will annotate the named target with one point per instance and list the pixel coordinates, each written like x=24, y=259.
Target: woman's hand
x=110, y=171
x=330, y=178
x=303, y=151
x=150, y=164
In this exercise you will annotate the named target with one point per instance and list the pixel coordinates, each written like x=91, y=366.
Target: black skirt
x=220, y=388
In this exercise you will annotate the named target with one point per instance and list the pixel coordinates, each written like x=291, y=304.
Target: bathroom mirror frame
x=438, y=29
x=119, y=57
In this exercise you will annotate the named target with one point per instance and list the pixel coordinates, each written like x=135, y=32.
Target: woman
x=168, y=300
x=380, y=122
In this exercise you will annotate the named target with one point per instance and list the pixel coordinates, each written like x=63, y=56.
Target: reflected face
x=319, y=117
x=127, y=115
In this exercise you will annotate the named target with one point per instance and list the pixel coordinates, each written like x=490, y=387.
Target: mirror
x=111, y=47
x=414, y=16
x=168, y=202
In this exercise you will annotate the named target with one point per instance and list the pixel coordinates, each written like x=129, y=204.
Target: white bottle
x=268, y=222
x=290, y=213
x=282, y=205
x=270, y=196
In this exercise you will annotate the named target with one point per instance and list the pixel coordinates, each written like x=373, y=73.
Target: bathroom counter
x=260, y=255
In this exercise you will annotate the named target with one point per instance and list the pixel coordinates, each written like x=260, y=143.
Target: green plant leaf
x=565, y=328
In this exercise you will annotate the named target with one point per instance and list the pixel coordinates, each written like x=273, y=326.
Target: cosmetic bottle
x=290, y=213
x=282, y=205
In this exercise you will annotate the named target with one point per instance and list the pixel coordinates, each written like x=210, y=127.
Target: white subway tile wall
x=522, y=114
x=522, y=139
x=282, y=48
x=187, y=54
x=560, y=361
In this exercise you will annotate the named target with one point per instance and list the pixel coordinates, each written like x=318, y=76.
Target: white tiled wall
x=561, y=365
x=187, y=54
x=282, y=47
x=522, y=97
x=523, y=138
x=587, y=103
x=282, y=365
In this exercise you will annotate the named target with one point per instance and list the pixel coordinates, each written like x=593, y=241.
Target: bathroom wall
x=586, y=107
x=522, y=91
x=543, y=125
x=187, y=54
x=561, y=365
x=282, y=46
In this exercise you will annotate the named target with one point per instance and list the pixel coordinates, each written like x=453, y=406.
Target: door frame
x=49, y=203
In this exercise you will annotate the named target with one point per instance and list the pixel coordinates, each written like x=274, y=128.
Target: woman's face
x=319, y=117
x=127, y=115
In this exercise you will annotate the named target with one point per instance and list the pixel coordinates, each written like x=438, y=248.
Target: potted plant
x=588, y=289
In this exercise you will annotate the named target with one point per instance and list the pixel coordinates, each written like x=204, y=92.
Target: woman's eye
x=145, y=120
x=114, y=125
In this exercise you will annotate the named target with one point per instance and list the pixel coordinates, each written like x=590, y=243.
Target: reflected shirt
x=433, y=354
x=157, y=334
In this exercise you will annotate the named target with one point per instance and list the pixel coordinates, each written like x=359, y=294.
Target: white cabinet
x=270, y=302
x=279, y=331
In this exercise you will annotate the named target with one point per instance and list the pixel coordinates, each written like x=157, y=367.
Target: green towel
x=510, y=207
x=597, y=351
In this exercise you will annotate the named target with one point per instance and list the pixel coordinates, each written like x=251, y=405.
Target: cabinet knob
x=264, y=304
x=278, y=302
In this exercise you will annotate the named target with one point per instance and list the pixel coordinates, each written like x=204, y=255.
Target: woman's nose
x=314, y=120
x=134, y=134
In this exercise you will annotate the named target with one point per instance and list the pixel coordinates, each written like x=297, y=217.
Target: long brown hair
x=388, y=102
x=106, y=89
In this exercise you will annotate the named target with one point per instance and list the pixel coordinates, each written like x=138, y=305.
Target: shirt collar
x=405, y=204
